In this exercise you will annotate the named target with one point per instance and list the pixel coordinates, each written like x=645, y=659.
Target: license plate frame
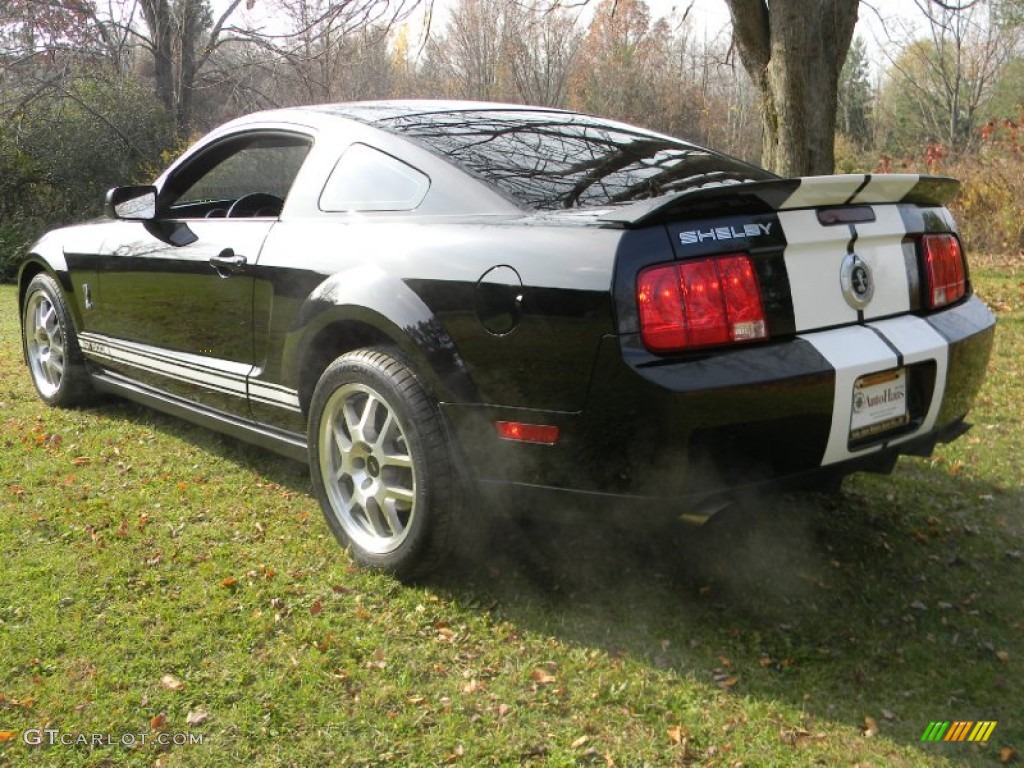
x=879, y=404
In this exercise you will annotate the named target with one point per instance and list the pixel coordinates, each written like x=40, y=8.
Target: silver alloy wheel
x=45, y=343
x=367, y=468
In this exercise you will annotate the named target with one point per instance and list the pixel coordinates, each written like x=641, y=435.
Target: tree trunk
x=157, y=14
x=794, y=53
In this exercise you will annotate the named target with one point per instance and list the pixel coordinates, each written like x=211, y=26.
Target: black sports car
x=437, y=303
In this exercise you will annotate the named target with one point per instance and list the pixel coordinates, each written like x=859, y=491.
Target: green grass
x=135, y=547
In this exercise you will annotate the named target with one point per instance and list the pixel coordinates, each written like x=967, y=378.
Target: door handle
x=227, y=259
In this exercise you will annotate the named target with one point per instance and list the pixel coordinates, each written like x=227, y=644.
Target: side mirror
x=137, y=203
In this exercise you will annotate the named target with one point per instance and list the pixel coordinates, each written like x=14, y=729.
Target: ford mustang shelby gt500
x=428, y=300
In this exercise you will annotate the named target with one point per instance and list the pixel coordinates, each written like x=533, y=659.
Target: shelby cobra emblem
x=858, y=285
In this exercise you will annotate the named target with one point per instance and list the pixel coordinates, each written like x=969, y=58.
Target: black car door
x=174, y=306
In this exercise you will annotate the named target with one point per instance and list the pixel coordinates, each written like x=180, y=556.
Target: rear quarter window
x=366, y=179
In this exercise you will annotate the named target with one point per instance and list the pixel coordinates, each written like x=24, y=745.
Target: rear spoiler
x=788, y=194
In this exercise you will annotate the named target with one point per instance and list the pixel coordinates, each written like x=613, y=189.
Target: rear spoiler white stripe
x=789, y=194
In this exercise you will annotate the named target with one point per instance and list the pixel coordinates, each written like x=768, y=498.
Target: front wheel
x=381, y=468
x=51, y=346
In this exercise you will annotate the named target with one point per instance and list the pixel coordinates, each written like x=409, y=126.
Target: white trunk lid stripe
x=858, y=350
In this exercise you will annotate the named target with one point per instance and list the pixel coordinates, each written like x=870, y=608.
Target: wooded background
x=95, y=93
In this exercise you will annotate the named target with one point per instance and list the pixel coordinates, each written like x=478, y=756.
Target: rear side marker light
x=700, y=303
x=539, y=434
x=945, y=272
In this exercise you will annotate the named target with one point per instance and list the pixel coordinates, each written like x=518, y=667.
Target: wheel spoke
x=39, y=316
x=382, y=436
x=341, y=441
x=54, y=369
x=50, y=322
x=369, y=418
x=396, y=461
x=351, y=417
x=376, y=518
x=397, y=493
x=394, y=521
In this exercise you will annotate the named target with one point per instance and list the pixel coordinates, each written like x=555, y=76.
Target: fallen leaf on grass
x=724, y=680
x=7, y=735
x=316, y=608
x=473, y=686
x=157, y=722
x=580, y=742
x=799, y=737
x=171, y=683
x=445, y=634
x=197, y=717
x=677, y=734
x=542, y=677
x=1003, y=656
x=81, y=461
x=870, y=728
x=229, y=582
x=1006, y=754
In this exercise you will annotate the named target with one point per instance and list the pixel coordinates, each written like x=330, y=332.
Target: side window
x=366, y=179
x=248, y=175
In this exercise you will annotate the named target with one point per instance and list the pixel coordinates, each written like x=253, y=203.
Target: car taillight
x=700, y=303
x=945, y=273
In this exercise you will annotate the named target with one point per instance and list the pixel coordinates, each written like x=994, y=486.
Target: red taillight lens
x=660, y=300
x=945, y=270
x=700, y=303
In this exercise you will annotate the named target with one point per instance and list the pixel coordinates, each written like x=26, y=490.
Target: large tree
x=794, y=51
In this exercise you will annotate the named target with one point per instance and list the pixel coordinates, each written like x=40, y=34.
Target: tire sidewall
x=66, y=392
x=413, y=552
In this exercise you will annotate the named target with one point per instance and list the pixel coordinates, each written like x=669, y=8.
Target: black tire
x=54, y=358
x=380, y=464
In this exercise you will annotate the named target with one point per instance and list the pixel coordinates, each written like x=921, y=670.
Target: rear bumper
x=775, y=414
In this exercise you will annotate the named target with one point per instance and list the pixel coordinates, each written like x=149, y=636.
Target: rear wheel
x=51, y=346
x=381, y=468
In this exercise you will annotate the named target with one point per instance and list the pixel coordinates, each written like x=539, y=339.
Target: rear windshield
x=551, y=160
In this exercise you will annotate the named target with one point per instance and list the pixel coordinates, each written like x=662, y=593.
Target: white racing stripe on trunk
x=824, y=190
x=814, y=257
x=880, y=245
x=857, y=351
x=853, y=352
x=919, y=342
x=886, y=188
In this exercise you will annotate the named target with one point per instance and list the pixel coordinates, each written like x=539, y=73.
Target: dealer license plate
x=879, y=404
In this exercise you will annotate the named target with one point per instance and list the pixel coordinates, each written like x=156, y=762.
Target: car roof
x=374, y=112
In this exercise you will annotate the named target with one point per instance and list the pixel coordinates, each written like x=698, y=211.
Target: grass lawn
x=160, y=584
